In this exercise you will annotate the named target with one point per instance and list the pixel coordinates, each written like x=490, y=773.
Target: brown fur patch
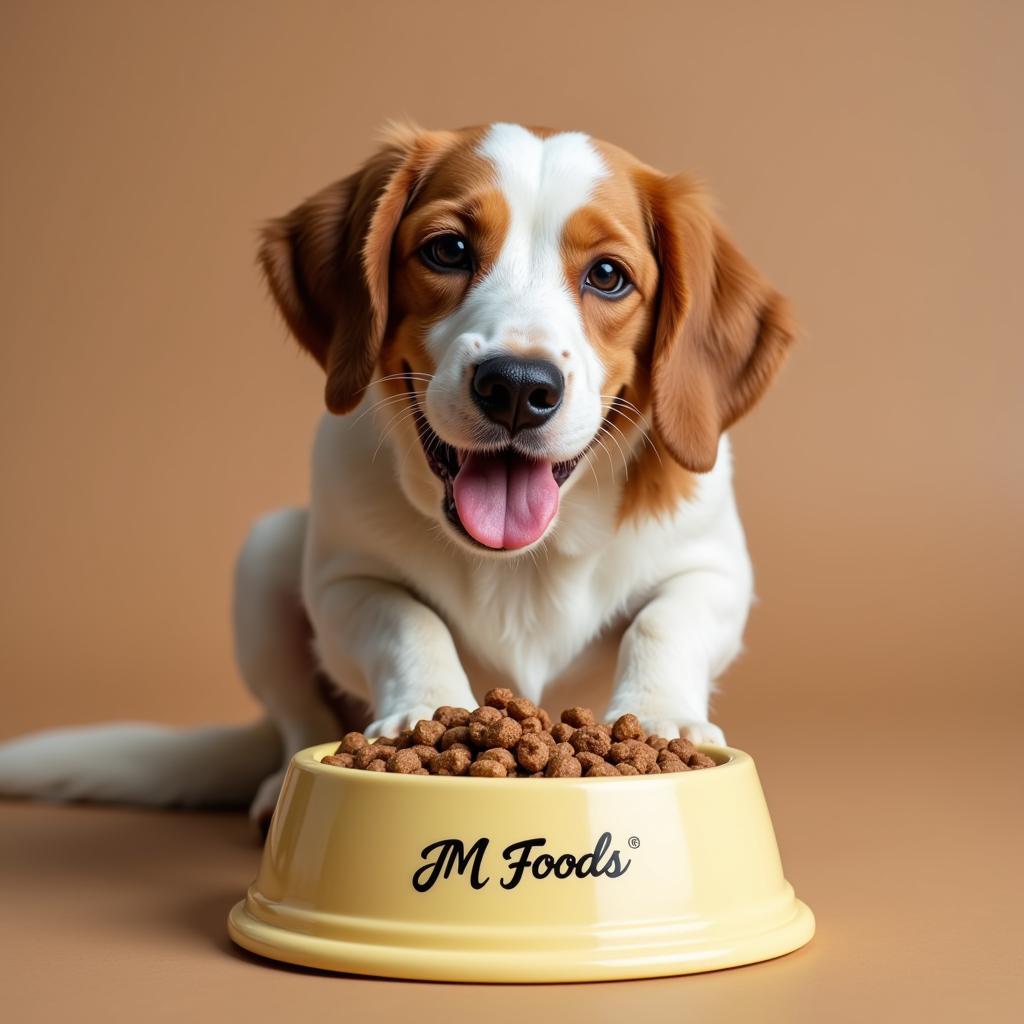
x=460, y=196
x=657, y=484
x=723, y=332
x=327, y=262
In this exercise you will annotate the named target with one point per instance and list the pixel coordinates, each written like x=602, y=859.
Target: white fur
x=524, y=301
x=399, y=607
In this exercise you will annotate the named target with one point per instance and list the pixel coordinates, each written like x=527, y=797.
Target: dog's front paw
x=700, y=732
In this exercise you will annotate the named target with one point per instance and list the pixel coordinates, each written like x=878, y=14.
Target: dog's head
x=518, y=294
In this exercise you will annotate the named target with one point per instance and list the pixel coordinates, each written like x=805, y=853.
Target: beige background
x=868, y=157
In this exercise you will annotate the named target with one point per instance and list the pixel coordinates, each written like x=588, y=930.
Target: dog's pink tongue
x=505, y=501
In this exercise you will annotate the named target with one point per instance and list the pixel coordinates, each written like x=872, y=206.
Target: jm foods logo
x=451, y=856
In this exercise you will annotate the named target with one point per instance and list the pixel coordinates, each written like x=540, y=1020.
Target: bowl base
x=536, y=965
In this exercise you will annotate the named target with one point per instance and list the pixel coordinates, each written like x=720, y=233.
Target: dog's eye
x=608, y=278
x=447, y=252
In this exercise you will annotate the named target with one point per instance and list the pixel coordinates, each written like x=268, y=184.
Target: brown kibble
x=634, y=752
x=668, y=762
x=563, y=768
x=644, y=755
x=351, y=742
x=428, y=733
x=627, y=727
x=479, y=721
x=700, y=760
x=578, y=717
x=533, y=753
x=619, y=752
x=682, y=748
x=457, y=734
x=403, y=762
x=455, y=760
x=338, y=760
x=502, y=755
x=499, y=697
x=506, y=732
x=520, y=708
x=561, y=731
x=378, y=751
x=485, y=714
x=591, y=739
x=511, y=737
x=451, y=717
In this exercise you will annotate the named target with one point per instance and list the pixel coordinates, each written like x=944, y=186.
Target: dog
x=533, y=345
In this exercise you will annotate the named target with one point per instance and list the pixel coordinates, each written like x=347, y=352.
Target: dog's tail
x=142, y=764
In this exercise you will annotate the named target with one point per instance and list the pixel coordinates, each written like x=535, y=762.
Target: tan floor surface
x=907, y=847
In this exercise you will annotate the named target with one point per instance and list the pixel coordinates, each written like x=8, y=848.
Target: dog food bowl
x=521, y=880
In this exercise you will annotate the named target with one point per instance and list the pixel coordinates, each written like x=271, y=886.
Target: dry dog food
x=510, y=737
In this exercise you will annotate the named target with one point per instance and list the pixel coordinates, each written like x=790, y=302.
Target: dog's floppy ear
x=327, y=262
x=722, y=331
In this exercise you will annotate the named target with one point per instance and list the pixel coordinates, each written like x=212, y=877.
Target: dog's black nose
x=518, y=393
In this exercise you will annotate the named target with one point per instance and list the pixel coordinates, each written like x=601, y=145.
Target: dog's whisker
x=381, y=404
x=396, y=421
x=643, y=433
x=625, y=462
x=604, y=447
x=607, y=433
x=618, y=399
x=626, y=409
x=629, y=444
x=398, y=376
x=588, y=459
x=639, y=424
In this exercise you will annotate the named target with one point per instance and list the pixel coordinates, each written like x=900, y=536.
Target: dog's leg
x=675, y=647
x=375, y=638
x=273, y=642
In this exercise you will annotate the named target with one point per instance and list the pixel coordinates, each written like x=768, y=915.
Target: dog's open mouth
x=503, y=500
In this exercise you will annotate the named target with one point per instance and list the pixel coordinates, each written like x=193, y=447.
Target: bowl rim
x=732, y=760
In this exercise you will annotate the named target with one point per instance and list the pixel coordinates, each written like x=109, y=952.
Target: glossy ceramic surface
x=521, y=880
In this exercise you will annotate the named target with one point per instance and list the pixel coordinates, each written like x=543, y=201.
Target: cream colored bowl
x=521, y=880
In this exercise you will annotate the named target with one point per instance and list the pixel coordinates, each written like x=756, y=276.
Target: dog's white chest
x=526, y=623
x=528, y=620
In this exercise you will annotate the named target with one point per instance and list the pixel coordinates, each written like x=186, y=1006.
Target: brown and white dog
x=533, y=343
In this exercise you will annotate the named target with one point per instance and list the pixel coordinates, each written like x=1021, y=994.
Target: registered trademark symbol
x=634, y=843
